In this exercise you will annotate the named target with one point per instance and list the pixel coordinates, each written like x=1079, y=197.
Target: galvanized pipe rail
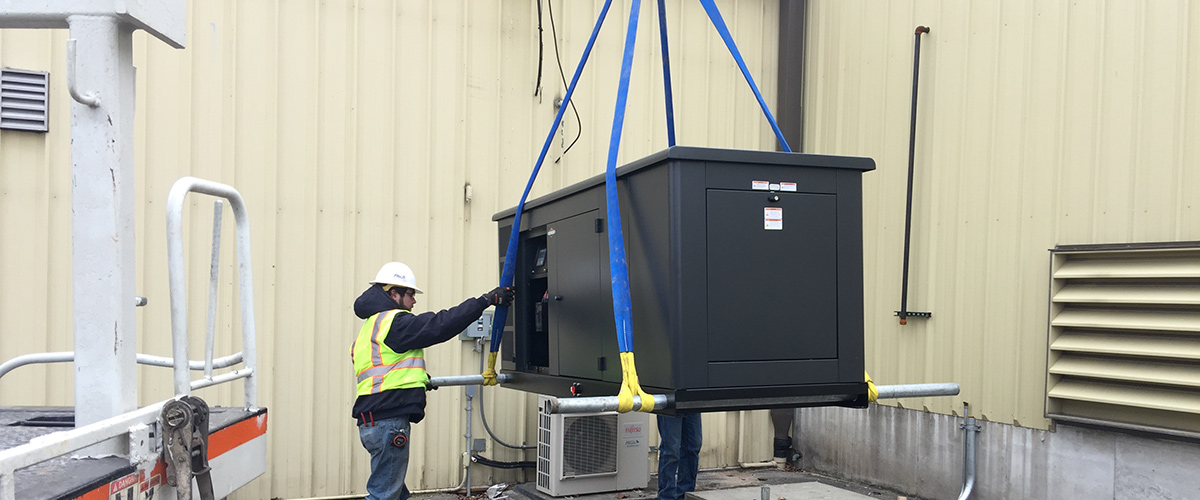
x=178, y=287
x=435, y=382
x=142, y=359
x=609, y=403
x=917, y=390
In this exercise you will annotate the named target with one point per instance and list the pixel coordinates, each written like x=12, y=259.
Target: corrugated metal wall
x=352, y=129
x=1039, y=123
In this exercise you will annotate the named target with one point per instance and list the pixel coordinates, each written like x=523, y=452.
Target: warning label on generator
x=773, y=218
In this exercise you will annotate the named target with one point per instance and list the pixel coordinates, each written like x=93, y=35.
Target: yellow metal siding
x=1039, y=123
x=352, y=129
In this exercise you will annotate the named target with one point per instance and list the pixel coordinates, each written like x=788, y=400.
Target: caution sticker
x=760, y=185
x=787, y=186
x=773, y=218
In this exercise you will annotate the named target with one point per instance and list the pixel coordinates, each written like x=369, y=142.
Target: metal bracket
x=142, y=445
x=89, y=99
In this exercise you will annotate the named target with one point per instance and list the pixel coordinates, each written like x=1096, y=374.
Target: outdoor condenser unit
x=745, y=271
x=585, y=453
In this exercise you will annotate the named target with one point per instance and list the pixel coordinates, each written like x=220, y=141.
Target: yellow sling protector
x=872, y=391
x=489, y=375
x=630, y=387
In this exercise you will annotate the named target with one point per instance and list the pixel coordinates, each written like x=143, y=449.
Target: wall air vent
x=24, y=100
x=1124, y=345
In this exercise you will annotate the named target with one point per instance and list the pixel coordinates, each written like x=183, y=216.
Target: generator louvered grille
x=1124, y=347
x=24, y=100
x=589, y=445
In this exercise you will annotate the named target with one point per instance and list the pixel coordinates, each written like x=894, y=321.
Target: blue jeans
x=389, y=463
x=678, y=454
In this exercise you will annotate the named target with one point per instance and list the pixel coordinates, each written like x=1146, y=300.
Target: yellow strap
x=872, y=391
x=630, y=387
x=489, y=375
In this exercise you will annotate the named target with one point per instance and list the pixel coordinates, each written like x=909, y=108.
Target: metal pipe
x=89, y=99
x=165, y=362
x=470, y=392
x=142, y=359
x=912, y=145
x=969, y=428
x=220, y=379
x=214, y=270
x=466, y=380
x=741, y=448
x=917, y=390
x=178, y=287
x=602, y=404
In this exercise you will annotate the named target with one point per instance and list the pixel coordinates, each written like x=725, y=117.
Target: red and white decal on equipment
x=773, y=218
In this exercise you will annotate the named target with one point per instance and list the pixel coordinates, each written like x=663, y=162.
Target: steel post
x=102, y=204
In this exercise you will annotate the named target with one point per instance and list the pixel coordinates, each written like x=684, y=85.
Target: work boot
x=784, y=453
x=782, y=445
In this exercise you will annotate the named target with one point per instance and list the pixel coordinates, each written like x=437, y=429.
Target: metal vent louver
x=1124, y=345
x=24, y=100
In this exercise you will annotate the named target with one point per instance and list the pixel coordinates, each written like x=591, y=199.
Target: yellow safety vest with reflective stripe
x=377, y=366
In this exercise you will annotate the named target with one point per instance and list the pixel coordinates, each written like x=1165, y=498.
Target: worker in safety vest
x=389, y=363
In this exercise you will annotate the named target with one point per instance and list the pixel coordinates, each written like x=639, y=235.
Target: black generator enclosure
x=745, y=272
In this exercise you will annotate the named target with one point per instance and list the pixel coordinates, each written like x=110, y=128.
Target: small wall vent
x=24, y=100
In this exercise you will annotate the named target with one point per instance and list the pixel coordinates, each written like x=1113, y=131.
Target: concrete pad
x=792, y=491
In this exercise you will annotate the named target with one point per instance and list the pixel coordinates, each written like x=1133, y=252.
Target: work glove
x=501, y=296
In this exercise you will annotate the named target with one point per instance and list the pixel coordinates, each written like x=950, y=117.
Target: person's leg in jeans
x=691, y=437
x=669, y=429
x=389, y=462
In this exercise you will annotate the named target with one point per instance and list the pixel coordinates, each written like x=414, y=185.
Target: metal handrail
x=142, y=359
x=175, y=270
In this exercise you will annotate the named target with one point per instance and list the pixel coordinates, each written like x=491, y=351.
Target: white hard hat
x=396, y=273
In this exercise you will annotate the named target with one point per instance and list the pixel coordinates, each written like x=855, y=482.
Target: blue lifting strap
x=510, y=254
x=617, y=263
x=618, y=267
x=715, y=15
x=666, y=57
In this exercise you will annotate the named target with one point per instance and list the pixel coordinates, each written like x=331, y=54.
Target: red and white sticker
x=760, y=185
x=787, y=186
x=773, y=218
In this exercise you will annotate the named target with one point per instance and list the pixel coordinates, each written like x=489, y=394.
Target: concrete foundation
x=921, y=454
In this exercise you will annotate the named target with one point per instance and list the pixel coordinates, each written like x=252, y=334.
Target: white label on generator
x=787, y=186
x=774, y=187
x=760, y=185
x=773, y=218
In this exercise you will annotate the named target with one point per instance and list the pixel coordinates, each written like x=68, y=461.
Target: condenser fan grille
x=589, y=445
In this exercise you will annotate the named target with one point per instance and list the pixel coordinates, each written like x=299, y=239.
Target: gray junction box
x=745, y=272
